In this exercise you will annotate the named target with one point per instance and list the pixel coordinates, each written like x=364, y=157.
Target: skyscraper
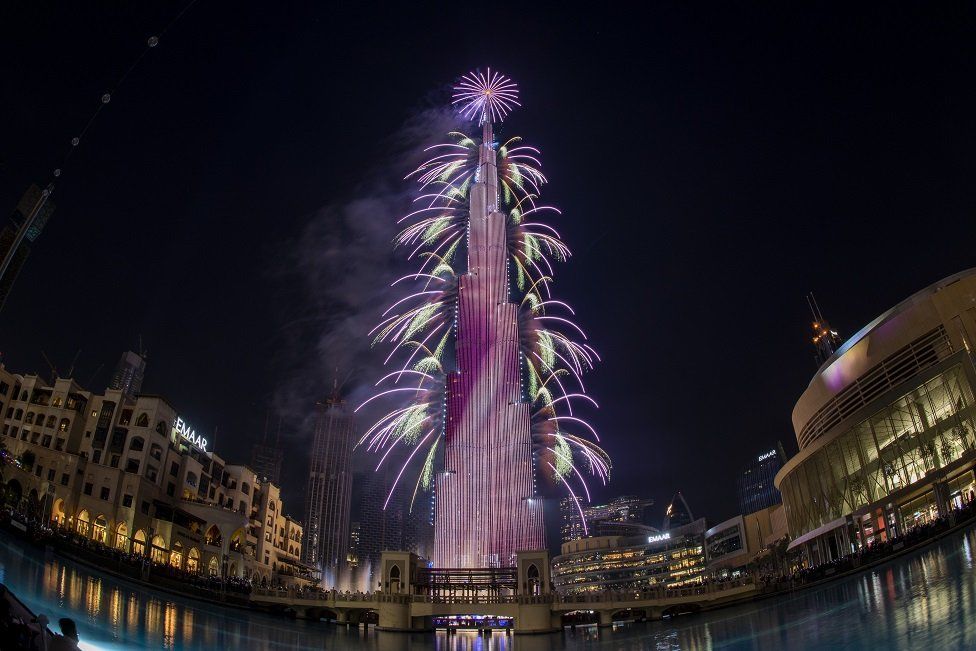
x=328, y=495
x=26, y=223
x=678, y=513
x=755, y=483
x=492, y=364
x=129, y=373
x=622, y=516
x=485, y=510
x=266, y=457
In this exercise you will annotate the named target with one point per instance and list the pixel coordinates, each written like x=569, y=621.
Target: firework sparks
x=485, y=97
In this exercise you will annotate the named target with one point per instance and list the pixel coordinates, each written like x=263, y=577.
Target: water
x=923, y=601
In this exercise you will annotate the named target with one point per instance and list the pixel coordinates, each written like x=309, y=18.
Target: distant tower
x=678, y=513
x=570, y=520
x=25, y=225
x=825, y=340
x=266, y=456
x=328, y=496
x=129, y=373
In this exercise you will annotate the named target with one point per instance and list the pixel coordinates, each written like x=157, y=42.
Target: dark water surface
x=926, y=601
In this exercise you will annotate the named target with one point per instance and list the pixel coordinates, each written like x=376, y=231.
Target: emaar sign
x=185, y=432
x=659, y=537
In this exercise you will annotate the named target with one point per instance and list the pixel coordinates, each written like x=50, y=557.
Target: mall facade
x=668, y=559
x=128, y=471
x=886, y=428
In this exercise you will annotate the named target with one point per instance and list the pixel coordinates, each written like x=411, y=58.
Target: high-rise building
x=129, y=373
x=328, y=496
x=755, y=483
x=571, y=516
x=485, y=510
x=266, y=457
x=622, y=516
x=678, y=513
x=28, y=219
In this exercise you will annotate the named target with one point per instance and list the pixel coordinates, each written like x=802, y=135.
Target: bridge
x=407, y=602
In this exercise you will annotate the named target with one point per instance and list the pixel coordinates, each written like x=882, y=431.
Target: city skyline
x=723, y=209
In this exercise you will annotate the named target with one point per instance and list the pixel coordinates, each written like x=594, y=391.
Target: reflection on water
x=924, y=601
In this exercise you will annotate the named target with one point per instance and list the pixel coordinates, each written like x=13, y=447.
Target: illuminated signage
x=659, y=537
x=187, y=434
x=767, y=455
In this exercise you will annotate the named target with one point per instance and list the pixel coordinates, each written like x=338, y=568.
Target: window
x=145, y=507
x=35, y=437
x=174, y=469
x=23, y=396
x=267, y=537
x=88, y=488
x=97, y=456
x=58, y=401
x=125, y=417
x=115, y=461
x=191, y=479
x=137, y=444
x=132, y=465
x=46, y=441
x=64, y=425
x=37, y=470
x=64, y=479
x=51, y=421
x=4, y=388
x=171, y=489
x=19, y=415
x=6, y=429
x=29, y=420
x=127, y=501
x=245, y=488
x=142, y=420
x=156, y=452
x=59, y=445
x=23, y=434
x=50, y=474
x=10, y=412
x=104, y=493
x=161, y=427
x=151, y=473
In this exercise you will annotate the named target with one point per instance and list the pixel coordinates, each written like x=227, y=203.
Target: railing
x=554, y=598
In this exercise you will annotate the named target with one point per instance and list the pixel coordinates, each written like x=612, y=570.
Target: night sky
x=233, y=204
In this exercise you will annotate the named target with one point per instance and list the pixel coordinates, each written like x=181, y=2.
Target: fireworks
x=498, y=389
x=487, y=97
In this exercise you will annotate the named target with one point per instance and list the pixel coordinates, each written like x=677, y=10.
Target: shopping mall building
x=886, y=427
x=669, y=559
x=129, y=471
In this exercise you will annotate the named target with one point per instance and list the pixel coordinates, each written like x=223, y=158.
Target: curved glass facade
x=926, y=429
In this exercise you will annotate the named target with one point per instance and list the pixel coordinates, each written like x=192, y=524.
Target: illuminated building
x=485, y=511
x=130, y=472
x=621, y=516
x=328, y=497
x=632, y=563
x=755, y=486
x=886, y=427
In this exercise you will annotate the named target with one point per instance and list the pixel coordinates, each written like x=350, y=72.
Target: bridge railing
x=658, y=593
x=333, y=596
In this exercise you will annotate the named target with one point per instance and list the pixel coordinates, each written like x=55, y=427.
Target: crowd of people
x=876, y=552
